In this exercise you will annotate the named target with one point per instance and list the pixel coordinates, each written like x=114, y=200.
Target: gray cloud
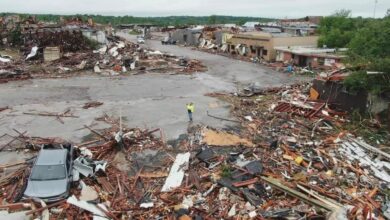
x=258, y=8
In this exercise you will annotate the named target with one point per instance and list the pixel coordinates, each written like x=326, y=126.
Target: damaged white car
x=51, y=175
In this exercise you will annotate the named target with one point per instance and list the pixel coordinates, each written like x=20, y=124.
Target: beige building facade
x=262, y=44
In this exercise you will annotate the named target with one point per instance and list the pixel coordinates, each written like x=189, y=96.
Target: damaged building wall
x=292, y=41
x=187, y=36
x=95, y=35
x=334, y=93
x=324, y=60
x=261, y=44
x=219, y=37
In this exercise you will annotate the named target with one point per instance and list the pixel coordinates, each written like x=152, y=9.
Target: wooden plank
x=277, y=184
x=245, y=183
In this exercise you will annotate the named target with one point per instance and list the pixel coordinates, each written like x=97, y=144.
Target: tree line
x=159, y=21
x=368, y=40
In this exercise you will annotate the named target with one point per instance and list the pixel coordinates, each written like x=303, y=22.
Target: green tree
x=212, y=19
x=369, y=50
x=345, y=13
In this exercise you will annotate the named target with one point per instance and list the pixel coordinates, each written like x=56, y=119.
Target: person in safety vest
x=190, y=110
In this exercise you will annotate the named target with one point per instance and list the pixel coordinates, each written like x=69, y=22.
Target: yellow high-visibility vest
x=191, y=108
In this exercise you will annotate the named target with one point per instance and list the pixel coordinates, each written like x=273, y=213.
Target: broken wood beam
x=292, y=192
x=15, y=206
x=223, y=119
x=245, y=183
x=51, y=115
x=97, y=133
x=46, y=207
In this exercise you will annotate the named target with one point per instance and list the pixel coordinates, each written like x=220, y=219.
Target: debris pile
x=292, y=159
x=114, y=58
x=310, y=148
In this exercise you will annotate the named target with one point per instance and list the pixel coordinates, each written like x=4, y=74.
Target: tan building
x=262, y=44
x=323, y=58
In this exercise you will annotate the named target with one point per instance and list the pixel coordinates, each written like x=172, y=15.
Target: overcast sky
x=257, y=8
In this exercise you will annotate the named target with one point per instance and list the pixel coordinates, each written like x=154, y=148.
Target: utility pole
x=376, y=2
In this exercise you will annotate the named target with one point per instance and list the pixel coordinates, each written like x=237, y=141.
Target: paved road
x=147, y=101
x=223, y=68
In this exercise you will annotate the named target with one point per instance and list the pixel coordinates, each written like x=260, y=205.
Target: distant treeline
x=369, y=48
x=161, y=21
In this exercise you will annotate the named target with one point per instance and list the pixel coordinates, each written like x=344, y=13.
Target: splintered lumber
x=97, y=133
x=15, y=175
x=3, y=166
x=245, y=183
x=105, y=185
x=92, y=104
x=276, y=183
x=15, y=206
x=153, y=175
x=46, y=207
x=62, y=115
x=176, y=173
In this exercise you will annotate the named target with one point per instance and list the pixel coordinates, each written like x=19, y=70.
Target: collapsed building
x=70, y=36
x=330, y=87
x=189, y=37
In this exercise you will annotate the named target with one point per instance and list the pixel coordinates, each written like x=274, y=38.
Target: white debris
x=98, y=214
x=88, y=167
x=355, y=150
x=45, y=213
x=76, y=175
x=121, y=45
x=146, y=205
x=33, y=53
x=82, y=168
x=252, y=214
x=156, y=53
x=64, y=69
x=5, y=60
x=96, y=69
x=188, y=202
x=85, y=152
x=102, y=50
x=249, y=118
x=82, y=65
x=232, y=211
x=113, y=51
x=291, y=139
x=176, y=173
x=132, y=66
x=101, y=167
x=272, y=107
